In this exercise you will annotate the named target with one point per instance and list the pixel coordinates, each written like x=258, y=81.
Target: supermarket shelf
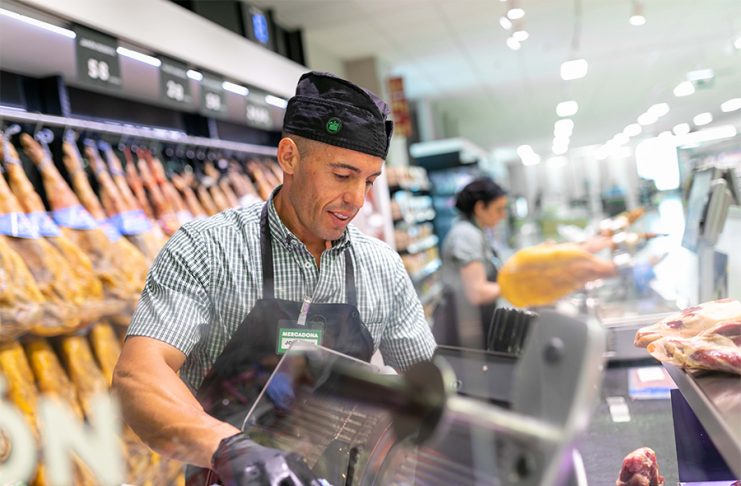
x=431, y=294
x=426, y=271
x=420, y=246
x=716, y=400
x=414, y=189
x=423, y=216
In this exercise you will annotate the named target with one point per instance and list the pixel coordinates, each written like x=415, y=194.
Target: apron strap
x=268, y=277
x=266, y=252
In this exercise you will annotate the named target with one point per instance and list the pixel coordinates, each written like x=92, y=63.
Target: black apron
x=487, y=310
x=244, y=366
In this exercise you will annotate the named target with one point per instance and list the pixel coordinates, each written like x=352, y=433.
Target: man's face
x=326, y=188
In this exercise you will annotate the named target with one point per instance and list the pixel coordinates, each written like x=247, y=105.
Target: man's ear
x=288, y=155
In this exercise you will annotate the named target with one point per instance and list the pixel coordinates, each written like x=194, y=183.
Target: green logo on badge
x=334, y=125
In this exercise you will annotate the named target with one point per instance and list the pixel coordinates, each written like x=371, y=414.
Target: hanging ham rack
x=149, y=133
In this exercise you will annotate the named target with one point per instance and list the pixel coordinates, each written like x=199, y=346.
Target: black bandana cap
x=334, y=111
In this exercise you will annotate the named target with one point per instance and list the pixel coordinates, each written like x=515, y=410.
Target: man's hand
x=241, y=462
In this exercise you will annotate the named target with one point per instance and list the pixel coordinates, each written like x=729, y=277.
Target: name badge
x=289, y=335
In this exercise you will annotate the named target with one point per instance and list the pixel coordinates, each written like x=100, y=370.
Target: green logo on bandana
x=334, y=125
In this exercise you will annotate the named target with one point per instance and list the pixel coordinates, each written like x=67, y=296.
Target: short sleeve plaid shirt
x=207, y=278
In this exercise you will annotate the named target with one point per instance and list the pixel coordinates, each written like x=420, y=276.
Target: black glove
x=241, y=462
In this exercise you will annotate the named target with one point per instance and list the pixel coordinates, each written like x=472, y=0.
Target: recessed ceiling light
x=700, y=75
x=702, y=119
x=659, y=109
x=193, y=74
x=515, y=13
x=632, y=130
x=520, y=35
x=276, y=101
x=563, y=128
x=681, y=129
x=513, y=44
x=637, y=20
x=139, y=56
x=731, y=105
x=621, y=138
x=505, y=23
x=235, y=88
x=647, y=118
x=574, y=69
x=567, y=108
x=39, y=23
x=685, y=88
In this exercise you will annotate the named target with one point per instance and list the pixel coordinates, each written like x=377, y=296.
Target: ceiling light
x=685, y=88
x=525, y=150
x=681, y=129
x=621, y=138
x=563, y=128
x=39, y=23
x=139, y=56
x=513, y=44
x=505, y=23
x=632, y=130
x=192, y=74
x=665, y=134
x=574, y=69
x=702, y=119
x=700, y=75
x=559, y=149
x=235, y=88
x=715, y=133
x=636, y=17
x=567, y=108
x=647, y=118
x=659, y=109
x=520, y=35
x=515, y=13
x=731, y=105
x=527, y=155
x=275, y=101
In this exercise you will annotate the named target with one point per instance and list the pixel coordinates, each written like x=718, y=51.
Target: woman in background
x=470, y=266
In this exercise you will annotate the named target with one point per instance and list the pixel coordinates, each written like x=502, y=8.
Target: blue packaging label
x=44, y=224
x=17, y=225
x=131, y=222
x=75, y=217
x=110, y=229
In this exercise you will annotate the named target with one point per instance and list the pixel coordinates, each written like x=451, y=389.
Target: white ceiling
x=454, y=53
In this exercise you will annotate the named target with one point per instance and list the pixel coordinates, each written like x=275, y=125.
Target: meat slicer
x=356, y=426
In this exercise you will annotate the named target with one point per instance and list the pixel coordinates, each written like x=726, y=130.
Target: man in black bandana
x=232, y=290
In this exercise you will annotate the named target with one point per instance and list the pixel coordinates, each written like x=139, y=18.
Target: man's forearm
x=158, y=406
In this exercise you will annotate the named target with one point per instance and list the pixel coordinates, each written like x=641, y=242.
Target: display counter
x=715, y=398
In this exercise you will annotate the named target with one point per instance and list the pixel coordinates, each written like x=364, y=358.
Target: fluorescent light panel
x=139, y=56
x=193, y=74
x=659, y=109
x=276, y=101
x=39, y=23
x=637, y=20
x=700, y=75
x=574, y=69
x=520, y=35
x=647, y=118
x=567, y=108
x=505, y=23
x=702, y=119
x=681, y=129
x=235, y=88
x=515, y=13
x=685, y=88
x=731, y=105
x=513, y=44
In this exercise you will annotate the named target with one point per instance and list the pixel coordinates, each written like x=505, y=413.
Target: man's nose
x=355, y=196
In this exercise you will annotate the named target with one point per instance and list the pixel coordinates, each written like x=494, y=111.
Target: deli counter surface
x=715, y=399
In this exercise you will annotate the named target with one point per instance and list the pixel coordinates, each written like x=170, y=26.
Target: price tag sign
x=213, y=101
x=258, y=114
x=97, y=59
x=175, y=84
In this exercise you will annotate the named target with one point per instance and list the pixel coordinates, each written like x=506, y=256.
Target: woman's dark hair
x=480, y=189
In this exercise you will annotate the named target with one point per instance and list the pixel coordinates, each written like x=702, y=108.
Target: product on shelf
x=21, y=301
x=50, y=376
x=107, y=348
x=119, y=269
x=164, y=212
x=183, y=183
x=261, y=183
x=541, y=274
x=640, y=469
x=132, y=224
x=691, y=321
x=135, y=183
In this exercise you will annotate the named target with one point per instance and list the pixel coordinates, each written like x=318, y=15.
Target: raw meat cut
x=640, y=469
x=717, y=348
x=690, y=321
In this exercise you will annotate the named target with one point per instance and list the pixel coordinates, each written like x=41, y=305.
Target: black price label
x=213, y=101
x=258, y=115
x=174, y=84
x=97, y=59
